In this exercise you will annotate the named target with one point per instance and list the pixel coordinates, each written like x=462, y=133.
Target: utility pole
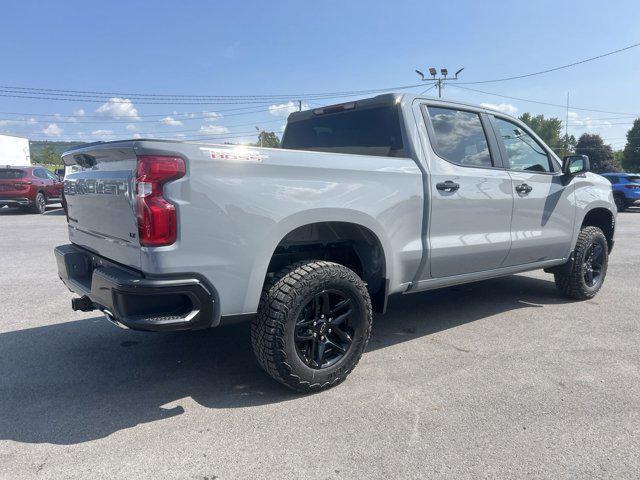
x=566, y=129
x=566, y=123
x=299, y=105
x=440, y=81
x=259, y=135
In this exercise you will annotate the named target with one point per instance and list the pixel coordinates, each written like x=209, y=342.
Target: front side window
x=459, y=137
x=523, y=152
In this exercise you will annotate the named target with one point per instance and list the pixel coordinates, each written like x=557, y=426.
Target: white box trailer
x=14, y=151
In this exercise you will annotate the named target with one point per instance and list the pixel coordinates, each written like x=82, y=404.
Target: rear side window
x=523, y=151
x=459, y=137
x=370, y=131
x=11, y=173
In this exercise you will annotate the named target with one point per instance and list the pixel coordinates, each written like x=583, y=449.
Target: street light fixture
x=441, y=80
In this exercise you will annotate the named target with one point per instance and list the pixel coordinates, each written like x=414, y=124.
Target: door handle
x=447, y=186
x=523, y=188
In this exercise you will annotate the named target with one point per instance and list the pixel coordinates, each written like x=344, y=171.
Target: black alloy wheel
x=324, y=331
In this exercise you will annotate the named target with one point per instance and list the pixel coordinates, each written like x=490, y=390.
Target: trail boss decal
x=234, y=154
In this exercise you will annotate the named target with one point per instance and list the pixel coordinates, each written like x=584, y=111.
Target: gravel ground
x=501, y=378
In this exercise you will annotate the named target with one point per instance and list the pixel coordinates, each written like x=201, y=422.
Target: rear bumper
x=132, y=300
x=15, y=202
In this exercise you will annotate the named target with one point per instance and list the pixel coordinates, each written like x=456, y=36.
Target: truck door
x=543, y=210
x=471, y=198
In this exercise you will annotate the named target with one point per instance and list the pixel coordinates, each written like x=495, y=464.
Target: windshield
x=11, y=173
x=370, y=131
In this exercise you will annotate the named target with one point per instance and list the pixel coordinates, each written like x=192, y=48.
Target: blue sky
x=295, y=47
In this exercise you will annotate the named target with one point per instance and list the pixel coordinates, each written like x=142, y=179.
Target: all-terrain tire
x=571, y=282
x=283, y=300
x=40, y=204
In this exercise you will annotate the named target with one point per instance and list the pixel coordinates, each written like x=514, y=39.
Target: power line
x=554, y=69
x=544, y=103
x=207, y=99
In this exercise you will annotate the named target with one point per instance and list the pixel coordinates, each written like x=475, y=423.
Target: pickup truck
x=394, y=194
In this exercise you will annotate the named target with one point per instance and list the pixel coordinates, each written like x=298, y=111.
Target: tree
x=548, y=129
x=631, y=155
x=600, y=155
x=268, y=139
x=48, y=156
x=567, y=145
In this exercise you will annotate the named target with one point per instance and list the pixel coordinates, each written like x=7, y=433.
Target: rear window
x=369, y=131
x=634, y=178
x=11, y=173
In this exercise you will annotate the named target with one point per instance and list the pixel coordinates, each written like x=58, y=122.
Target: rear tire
x=313, y=324
x=585, y=273
x=40, y=204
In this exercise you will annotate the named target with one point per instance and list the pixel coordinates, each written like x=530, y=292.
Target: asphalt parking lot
x=502, y=378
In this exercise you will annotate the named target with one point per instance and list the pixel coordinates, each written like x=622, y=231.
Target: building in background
x=14, y=151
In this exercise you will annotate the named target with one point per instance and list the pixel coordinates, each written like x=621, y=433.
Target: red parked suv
x=29, y=187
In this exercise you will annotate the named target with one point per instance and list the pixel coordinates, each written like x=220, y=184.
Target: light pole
x=441, y=79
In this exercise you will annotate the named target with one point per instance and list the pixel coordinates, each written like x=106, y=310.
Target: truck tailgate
x=100, y=200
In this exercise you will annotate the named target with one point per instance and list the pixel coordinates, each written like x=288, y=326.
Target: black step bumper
x=133, y=300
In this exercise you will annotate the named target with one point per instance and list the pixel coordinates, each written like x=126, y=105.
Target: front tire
x=313, y=324
x=585, y=273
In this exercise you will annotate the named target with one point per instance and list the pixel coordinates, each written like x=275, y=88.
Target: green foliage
x=48, y=153
x=567, y=145
x=600, y=155
x=268, y=139
x=549, y=130
x=631, y=154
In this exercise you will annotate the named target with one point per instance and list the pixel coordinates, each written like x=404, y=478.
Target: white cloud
x=52, y=130
x=102, y=133
x=118, y=108
x=137, y=135
x=587, y=123
x=78, y=112
x=30, y=121
x=501, y=107
x=284, y=109
x=170, y=121
x=213, y=129
x=130, y=127
x=210, y=115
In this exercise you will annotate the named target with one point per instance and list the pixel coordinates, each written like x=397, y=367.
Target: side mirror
x=575, y=164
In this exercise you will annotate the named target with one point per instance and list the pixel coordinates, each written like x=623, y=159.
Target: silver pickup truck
x=390, y=195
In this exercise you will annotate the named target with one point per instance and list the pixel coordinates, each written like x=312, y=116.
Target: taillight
x=157, y=219
x=22, y=185
x=632, y=185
